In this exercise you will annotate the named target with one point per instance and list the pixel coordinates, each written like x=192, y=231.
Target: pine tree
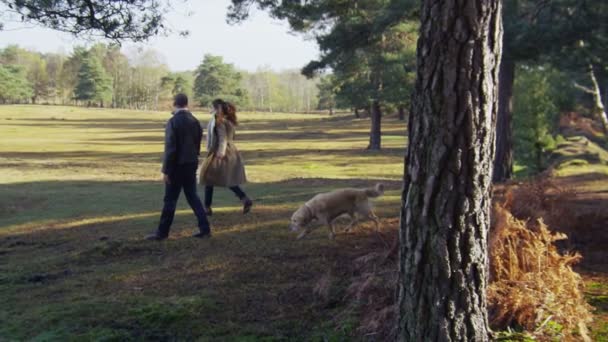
x=327, y=94
x=446, y=199
x=39, y=79
x=216, y=79
x=94, y=85
x=362, y=42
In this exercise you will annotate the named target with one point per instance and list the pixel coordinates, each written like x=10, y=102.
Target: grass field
x=79, y=188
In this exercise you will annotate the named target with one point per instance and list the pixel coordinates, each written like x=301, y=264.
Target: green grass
x=81, y=187
x=570, y=157
x=579, y=155
x=596, y=292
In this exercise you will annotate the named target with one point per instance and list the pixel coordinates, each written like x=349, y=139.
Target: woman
x=223, y=165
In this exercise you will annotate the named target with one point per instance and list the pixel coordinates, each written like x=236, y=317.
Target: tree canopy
x=536, y=30
x=14, y=87
x=369, y=46
x=93, y=85
x=216, y=79
x=118, y=20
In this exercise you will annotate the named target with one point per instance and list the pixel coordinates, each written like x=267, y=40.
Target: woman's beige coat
x=228, y=171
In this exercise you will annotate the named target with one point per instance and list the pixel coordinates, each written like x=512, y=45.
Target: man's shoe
x=155, y=237
x=201, y=235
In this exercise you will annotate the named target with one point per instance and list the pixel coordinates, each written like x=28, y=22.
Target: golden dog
x=325, y=208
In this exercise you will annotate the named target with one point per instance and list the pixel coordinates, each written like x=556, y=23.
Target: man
x=183, y=137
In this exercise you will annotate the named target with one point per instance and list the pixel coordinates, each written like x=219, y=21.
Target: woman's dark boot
x=247, y=204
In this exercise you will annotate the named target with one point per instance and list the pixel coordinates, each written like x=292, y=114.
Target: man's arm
x=200, y=138
x=170, y=149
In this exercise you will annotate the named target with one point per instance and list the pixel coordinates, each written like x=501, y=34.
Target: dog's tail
x=376, y=191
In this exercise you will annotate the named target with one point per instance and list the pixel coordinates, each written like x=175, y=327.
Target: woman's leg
x=238, y=192
x=247, y=203
x=208, y=197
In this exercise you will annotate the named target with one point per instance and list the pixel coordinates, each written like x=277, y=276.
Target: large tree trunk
x=375, y=133
x=445, y=213
x=503, y=161
x=357, y=115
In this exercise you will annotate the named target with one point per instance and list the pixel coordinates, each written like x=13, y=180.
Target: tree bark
x=599, y=109
x=375, y=133
x=446, y=201
x=503, y=160
x=538, y=153
x=357, y=115
x=401, y=113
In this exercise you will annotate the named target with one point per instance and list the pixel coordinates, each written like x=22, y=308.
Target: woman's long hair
x=228, y=111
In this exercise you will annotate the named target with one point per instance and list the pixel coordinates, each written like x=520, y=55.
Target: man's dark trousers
x=183, y=176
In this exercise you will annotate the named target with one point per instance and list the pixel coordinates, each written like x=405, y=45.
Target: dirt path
x=590, y=238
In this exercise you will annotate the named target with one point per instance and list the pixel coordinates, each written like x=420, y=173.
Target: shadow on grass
x=346, y=156
x=279, y=129
x=131, y=126
x=126, y=124
x=36, y=205
x=250, y=156
x=84, y=154
x=252, y=279
x=243, y=137
x=292, y=130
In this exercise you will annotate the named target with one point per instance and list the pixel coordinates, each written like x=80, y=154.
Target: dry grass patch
x=532, y=285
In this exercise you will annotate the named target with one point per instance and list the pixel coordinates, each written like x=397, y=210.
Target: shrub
x=532, y=285
x=541, y=199
x=535, y=115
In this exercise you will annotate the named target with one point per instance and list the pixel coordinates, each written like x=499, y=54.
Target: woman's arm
x=222, y=139
x=210, y=133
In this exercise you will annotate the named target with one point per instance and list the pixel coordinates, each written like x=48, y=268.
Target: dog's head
x=301, y=218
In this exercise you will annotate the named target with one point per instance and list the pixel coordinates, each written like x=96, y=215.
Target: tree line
x=105, y=76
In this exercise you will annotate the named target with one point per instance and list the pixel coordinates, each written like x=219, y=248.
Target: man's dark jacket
x=183, y=136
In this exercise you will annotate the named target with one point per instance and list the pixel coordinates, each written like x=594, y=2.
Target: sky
x=258, y=41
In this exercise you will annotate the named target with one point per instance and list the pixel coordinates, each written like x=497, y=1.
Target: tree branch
x=583, y=88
